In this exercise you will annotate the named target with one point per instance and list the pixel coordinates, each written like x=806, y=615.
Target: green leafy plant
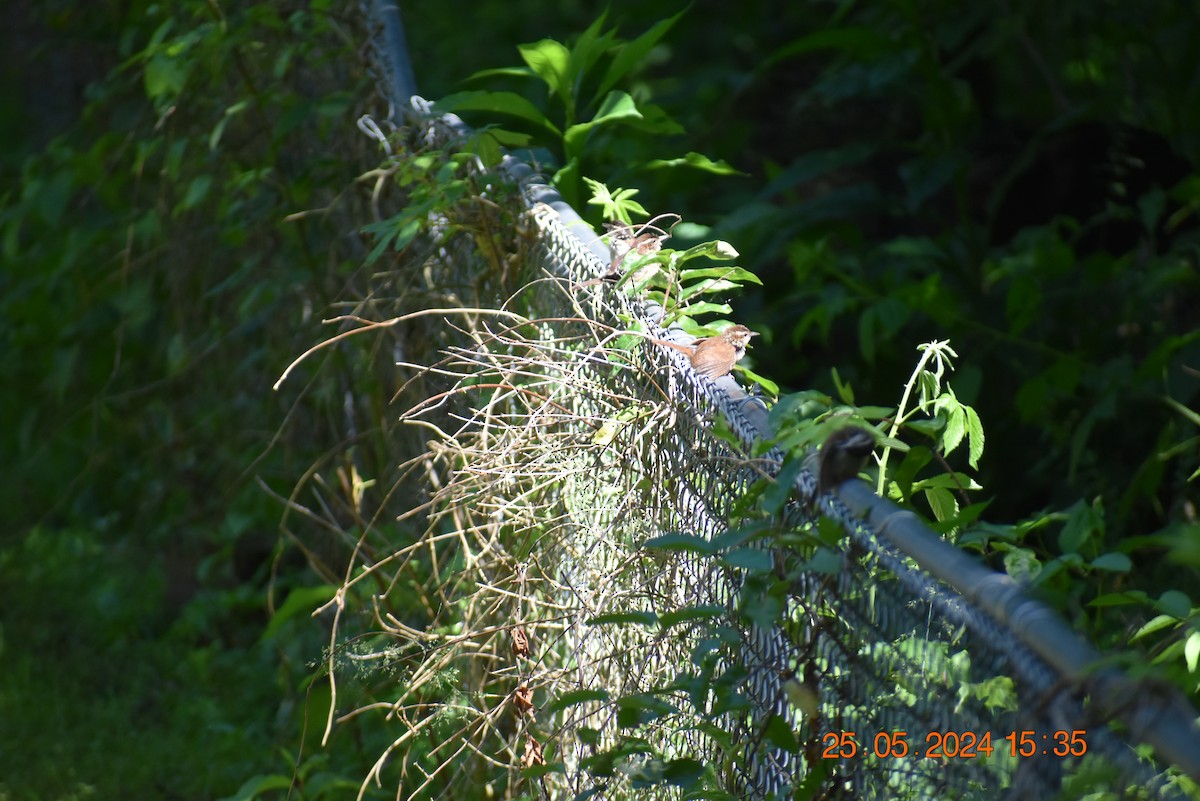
x=947, y=421
x=809, y=417
x=444, y=191
x=157, y=255
x=583, y=110
x=661, y=275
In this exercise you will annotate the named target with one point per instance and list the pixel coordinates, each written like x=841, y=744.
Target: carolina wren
x=844, y=453
x=715, y=356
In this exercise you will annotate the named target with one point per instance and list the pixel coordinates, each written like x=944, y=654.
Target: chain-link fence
x=593, y=503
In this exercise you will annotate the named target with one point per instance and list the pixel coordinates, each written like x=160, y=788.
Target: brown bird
x=715, y=356
x=843, y=455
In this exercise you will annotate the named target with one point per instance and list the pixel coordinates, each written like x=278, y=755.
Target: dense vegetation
x=178, y=183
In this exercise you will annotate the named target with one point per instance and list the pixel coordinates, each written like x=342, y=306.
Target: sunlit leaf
x=696, y=161
x=508, y=103
x=550, y=60
x=617, y=107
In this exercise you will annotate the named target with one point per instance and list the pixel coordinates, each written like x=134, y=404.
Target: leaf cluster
x=583, y=122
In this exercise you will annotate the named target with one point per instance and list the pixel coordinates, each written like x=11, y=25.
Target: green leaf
x=536, y=771
x=691, y=543
x=300, y=601
x=219, y=129
x=50, y=196
x=1083, y=523
x=866, y=334
x=551, y=61
x=706, y=287
x=1175, y=602
x=1190, y=415
x=694, y=328
x=826, y=561
x=616, y=205
x=1157, y=623
x=165, y=76
x=965, y=517
x=503, y=72
x=727, y=273
x=196, y=192
x=1172, y=652
x=947, y=481
x=762, y=609
x=683, y=772
x=642, y=708
x=1115, y=562
x=397, y=230
x=1119, y=598
x=942, y=502
x=767, y=384
x=974, y=437
x=1022, y=565
x=616, y=108
x=844, y=391
x=508, y=103
x=62, y=373
x=632, y=54
x=696, y=161
x=752, y=560
x=589, y=47
x=567, y=181
x=704, y=307
x=816, y=163
x=713, y=249
x=880, y=413
x=780, y=489
x=734, y=537
x=920, y=248
x=1191, y=651
x=956, y=424
x=655, y=120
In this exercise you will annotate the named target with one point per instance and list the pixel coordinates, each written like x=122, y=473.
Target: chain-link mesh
x=874, y=678
x=882, y=646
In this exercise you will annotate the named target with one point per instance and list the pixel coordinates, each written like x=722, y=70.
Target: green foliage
x=662, y=276
x=918, y=185
x=616, y=206
x=914, y=172
x=1029, y=303
x=145, y=260
x=587, y=124
x=158, y=270
x=443, y=184
x=88, y=647
x=948, y=422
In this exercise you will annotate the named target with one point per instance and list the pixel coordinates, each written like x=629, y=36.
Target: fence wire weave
x=900, y=655
x=564, y=441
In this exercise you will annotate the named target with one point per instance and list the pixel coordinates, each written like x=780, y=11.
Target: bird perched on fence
x=843, y=455
x=715, y=356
